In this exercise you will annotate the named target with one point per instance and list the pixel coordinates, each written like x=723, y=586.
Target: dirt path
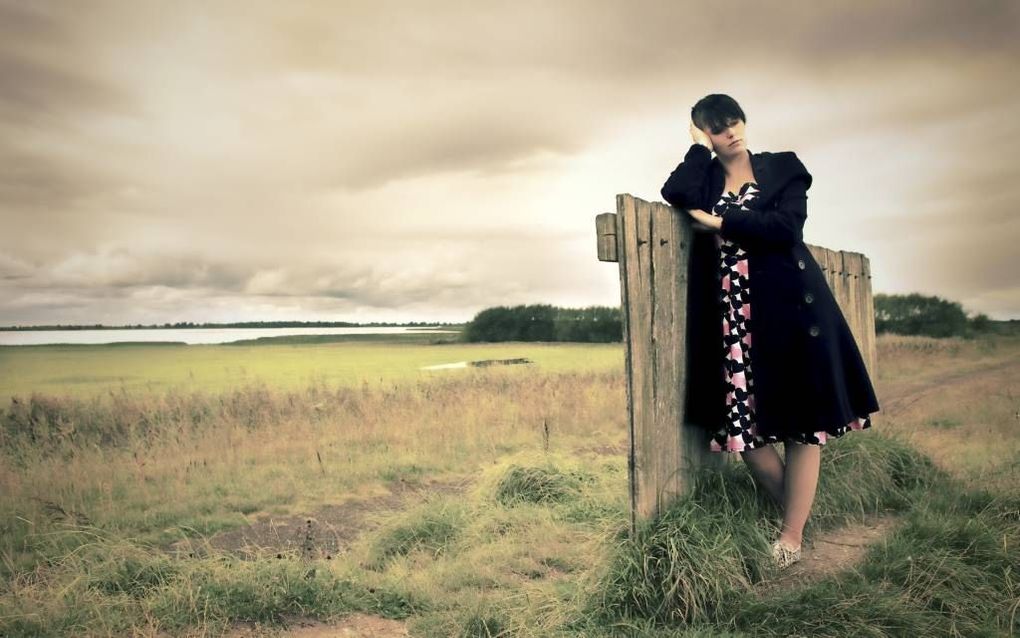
x=325, y=533
x=897, y=398
x=830, y=553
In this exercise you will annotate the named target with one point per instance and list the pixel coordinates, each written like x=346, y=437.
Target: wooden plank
x=605, y=236
x=834, y=264
x=639, y=265
x=666, y=355
x=621, y=251
x=852, y=311
x=818, y=253
x=821, y=255
x=867, y=301
x=842, y=284
x=637, y=262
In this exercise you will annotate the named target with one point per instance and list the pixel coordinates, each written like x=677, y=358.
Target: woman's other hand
x=704, y=221
x=700, y=137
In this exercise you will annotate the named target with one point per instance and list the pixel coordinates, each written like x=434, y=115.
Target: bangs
x=718, y=122
x=716, y=112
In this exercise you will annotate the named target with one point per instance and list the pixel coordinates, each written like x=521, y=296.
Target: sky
x=422, y=161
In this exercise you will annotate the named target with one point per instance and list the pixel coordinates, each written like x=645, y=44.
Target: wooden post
x=651, y=242
x=652, y=245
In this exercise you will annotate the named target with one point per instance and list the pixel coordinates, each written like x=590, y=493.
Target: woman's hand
x=705, y=221
x=700, y=137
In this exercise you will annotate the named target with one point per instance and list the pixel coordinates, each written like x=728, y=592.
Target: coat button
x=801, y=264
x=813, y=330
x=808, y=297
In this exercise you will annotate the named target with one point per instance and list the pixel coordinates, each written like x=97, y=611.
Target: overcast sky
x=420, y=161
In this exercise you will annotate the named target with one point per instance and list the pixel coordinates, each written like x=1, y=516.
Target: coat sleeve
x=685, y=187
x=782, y=226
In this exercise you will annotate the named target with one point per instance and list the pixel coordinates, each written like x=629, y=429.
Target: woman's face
x=728, y=141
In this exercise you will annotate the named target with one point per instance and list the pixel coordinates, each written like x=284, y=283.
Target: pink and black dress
x=738, y=430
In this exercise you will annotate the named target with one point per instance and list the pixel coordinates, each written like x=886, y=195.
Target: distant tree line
x=544, y=322
x=932, y=316
x=911, y=314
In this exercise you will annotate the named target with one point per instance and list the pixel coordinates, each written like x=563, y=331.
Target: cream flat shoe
x=784, y=555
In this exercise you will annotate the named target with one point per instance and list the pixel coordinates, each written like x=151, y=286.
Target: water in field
x=187, y=335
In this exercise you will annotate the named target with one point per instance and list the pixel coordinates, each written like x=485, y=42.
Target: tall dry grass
x=149, y=465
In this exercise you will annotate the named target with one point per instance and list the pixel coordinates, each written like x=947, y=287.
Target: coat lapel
x=765, y=177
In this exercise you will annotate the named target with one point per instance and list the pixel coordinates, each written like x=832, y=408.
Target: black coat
x=808, y=371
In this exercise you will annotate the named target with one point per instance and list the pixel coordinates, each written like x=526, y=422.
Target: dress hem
x=858, y=424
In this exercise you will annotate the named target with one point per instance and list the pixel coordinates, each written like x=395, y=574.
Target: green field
x=283, y=363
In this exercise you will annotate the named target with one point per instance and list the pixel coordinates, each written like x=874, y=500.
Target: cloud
x=392, y=159
x=44, y=83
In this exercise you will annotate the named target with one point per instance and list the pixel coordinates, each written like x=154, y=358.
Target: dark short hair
x=714, y=112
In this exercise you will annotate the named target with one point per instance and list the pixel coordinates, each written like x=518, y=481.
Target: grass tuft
x=431, y=528
x=534, y=485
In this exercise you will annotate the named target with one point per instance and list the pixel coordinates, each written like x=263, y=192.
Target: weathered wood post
x=652, y=242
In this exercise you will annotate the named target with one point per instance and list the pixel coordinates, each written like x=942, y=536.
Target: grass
x=93, y=491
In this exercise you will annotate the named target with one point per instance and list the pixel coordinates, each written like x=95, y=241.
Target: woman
x=789, y=369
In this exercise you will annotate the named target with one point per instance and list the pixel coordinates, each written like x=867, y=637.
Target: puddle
x=446, y=366
x=479, y=363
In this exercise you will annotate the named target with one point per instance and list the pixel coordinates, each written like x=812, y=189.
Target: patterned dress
x=738, y=430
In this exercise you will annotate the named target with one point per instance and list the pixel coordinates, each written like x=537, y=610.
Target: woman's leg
x=767, y=468
x=803, y=462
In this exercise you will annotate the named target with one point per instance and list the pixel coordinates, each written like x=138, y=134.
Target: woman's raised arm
x=685, y=187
